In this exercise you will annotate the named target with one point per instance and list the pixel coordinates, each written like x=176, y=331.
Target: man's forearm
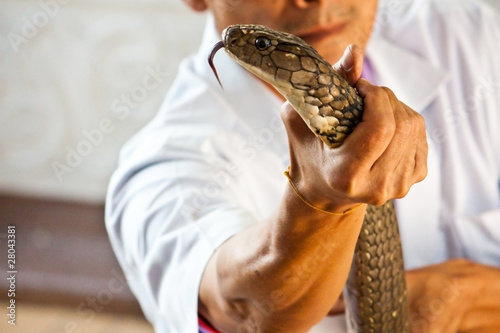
x=282, y=275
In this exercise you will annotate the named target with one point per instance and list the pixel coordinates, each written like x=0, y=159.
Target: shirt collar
x=413, y=80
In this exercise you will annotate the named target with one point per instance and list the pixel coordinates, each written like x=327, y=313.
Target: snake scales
x=375, y=292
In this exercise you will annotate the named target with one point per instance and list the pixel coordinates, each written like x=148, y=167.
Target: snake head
x=325, y=100
x=276, y=57
x=281, y=59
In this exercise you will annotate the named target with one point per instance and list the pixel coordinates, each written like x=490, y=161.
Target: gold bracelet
x=304, y=200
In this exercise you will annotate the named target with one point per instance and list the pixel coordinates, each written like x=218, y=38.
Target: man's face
x=328, y=25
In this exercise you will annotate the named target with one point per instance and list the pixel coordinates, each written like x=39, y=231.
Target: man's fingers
x=405, y=149
x=391, y=138
x=421, y=156
x=378, y=125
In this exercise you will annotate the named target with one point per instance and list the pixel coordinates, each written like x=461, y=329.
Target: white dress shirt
x=211, y=162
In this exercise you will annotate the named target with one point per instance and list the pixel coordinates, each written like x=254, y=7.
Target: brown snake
x=375, y=292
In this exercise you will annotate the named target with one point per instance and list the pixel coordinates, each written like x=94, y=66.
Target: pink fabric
x=367, y=72
x=204, y=327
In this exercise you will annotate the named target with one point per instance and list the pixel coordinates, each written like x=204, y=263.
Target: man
x=205, y=225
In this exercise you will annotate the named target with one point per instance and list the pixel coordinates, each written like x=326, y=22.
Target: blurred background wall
x=77, y=79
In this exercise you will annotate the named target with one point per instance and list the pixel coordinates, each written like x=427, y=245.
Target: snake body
x=375, y=292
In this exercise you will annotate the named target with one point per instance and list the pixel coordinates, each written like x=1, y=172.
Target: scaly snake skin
x=375, y=293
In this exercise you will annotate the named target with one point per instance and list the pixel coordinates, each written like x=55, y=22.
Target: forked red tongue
x=211, y=56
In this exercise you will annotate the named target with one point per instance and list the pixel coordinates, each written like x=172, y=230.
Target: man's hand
x=383, y=157
x=455, y=296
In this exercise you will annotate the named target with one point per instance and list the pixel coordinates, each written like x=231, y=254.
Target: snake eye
x=262, y=43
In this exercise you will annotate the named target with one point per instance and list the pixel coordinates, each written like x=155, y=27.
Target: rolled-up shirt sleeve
x=164, y=229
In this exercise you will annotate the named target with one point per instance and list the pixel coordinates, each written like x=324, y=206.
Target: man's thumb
x=296, y=128
x=350, y=65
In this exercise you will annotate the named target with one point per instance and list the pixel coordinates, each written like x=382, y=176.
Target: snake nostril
x=233, y=42
x=231, y=36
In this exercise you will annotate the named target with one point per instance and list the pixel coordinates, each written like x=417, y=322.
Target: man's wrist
x=339, y=211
